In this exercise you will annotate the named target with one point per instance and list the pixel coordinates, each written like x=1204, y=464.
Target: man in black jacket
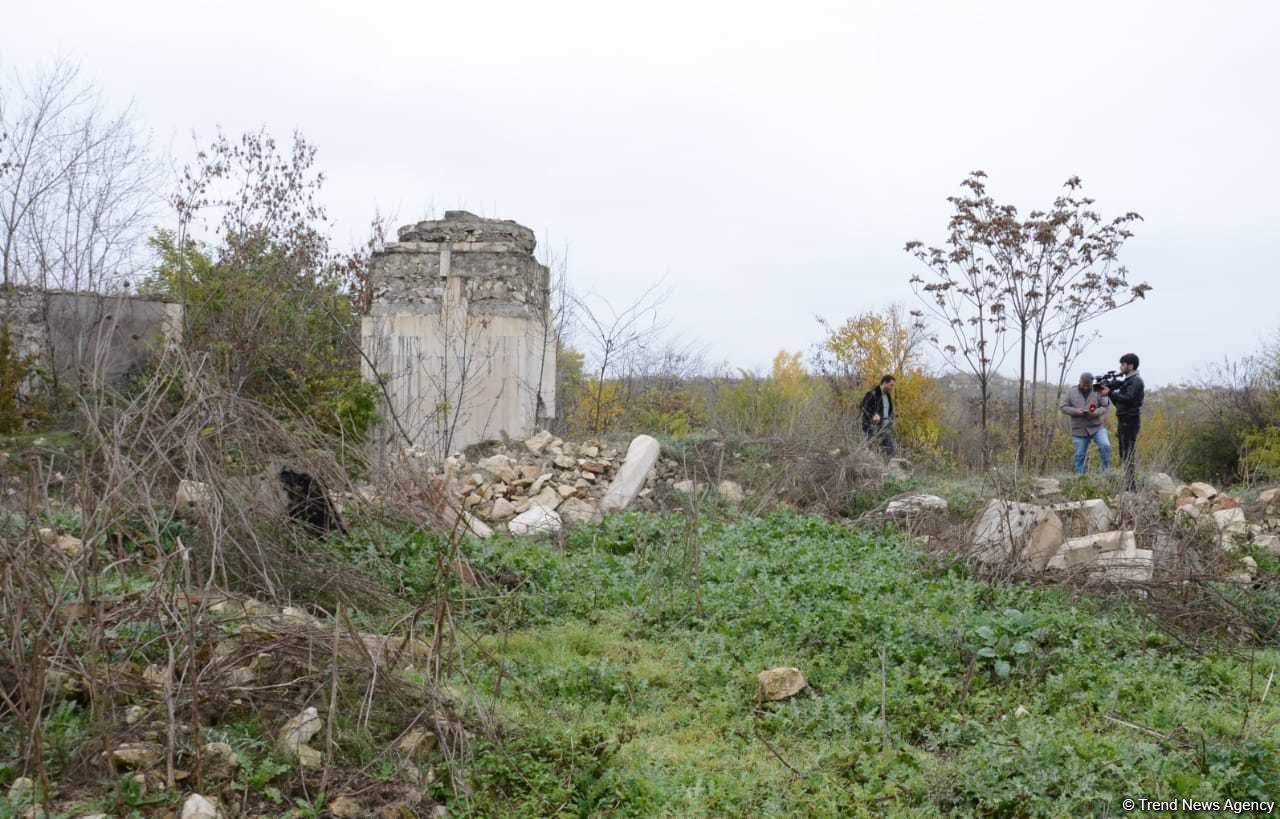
x=1127, y=399
x=878, y=416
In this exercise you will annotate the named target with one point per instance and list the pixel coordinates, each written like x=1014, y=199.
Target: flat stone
x=137, y=754
x=914, y=505
x=502, y=509
x=781, y=683
x=534, y=521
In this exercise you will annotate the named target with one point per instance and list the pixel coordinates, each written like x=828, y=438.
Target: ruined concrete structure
x=83, y=338
x=458, y=334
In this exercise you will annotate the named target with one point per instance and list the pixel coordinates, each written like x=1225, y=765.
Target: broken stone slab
x=642, y=454
x=1084, y=551
x=1129, y=565
x=914, y=505
x=1270, y=498
x=781, y=683
x=1087, y=517
x=534, y=521
x=1008, y=529
x=898, y=469
x=297, y=732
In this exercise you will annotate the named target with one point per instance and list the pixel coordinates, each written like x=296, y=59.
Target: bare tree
x=967, y=296
x=77, y=187
x=614, y=335
x=1051, y=273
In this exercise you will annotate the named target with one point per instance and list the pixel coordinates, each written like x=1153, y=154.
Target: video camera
x=1110, y=379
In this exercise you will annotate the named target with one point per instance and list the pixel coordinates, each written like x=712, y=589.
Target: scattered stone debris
x=1083, y=534
x=781, y=683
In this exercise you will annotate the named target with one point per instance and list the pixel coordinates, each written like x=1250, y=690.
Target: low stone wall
x=82, y=337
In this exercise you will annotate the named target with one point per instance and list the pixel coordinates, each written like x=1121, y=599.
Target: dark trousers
x=1127, y=431
x=881, y=436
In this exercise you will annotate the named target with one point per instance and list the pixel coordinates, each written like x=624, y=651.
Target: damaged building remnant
x=458, y=334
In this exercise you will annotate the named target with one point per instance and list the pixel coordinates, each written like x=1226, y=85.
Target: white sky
x=768, y=159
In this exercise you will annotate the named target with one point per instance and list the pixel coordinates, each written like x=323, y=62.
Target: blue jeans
x=1082, y=449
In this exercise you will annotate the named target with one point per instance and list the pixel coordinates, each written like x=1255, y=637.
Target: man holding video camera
x=1127, y=397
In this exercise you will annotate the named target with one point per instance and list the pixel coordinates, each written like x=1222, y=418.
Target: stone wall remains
x=458, y=334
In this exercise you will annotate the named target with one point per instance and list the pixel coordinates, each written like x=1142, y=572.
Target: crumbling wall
x=82, y=338
x=458, y=334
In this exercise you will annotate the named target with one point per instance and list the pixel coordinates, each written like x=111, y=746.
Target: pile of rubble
x=1201, y=506
x=540, y=484
x=1087, y=535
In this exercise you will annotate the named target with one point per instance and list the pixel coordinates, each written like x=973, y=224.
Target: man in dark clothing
x=878, y=417
x=1127, y=399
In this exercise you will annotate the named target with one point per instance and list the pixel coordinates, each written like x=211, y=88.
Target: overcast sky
x=768, y=159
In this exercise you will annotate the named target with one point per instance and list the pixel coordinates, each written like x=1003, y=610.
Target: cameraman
x=1127, y=398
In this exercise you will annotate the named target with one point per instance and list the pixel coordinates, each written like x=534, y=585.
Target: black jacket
x=1128, y=397
x=871, y=406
